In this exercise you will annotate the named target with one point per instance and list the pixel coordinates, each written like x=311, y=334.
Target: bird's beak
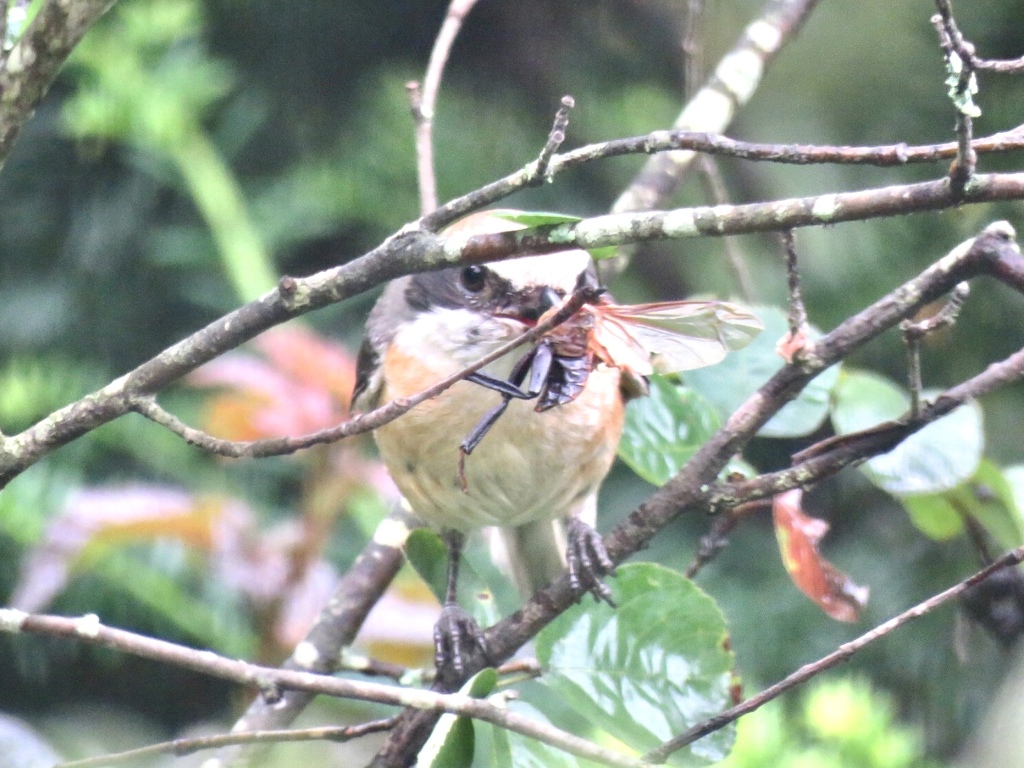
x=532, y=303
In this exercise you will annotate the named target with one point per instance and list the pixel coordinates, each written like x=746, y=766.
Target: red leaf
x=302, y=384
x=798, y=536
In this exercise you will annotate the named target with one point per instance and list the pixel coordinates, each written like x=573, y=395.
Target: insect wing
x=678, y=335
x=615, y=342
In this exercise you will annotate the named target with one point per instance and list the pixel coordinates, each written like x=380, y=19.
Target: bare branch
x=714, y=144
x=89, y=629
x=966, y=50
x=913, y=332
x=718, y=537
x=841, y=654
x=423, y=104
x=188, y=746
x=411, y=250
x=829, y=456
x=716, y=221
x=693, y=47
x=32, y=65
x=555, y=139
x=963, y=84
x=791, y=154
x=797, y=311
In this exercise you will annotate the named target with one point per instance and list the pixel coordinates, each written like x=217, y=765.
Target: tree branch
x=336, y=627
x=32, y=65
x=188, y=746
x=88, y=629
x=410, y=251
x=423, y=103
x=966, y=50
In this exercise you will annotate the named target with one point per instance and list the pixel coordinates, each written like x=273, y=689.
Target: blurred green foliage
x=194, y=151
x=836, y=724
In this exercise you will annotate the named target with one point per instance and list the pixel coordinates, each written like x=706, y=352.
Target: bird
x=536, y=475
x=528, y=461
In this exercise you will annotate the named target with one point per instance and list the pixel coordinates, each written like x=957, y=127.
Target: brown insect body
x=641, y=339
x=571, y=362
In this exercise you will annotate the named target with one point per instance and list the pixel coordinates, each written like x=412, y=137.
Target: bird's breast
x=529, y=466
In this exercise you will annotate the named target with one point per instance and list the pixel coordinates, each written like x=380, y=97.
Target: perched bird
x=531, y=468
x=537, y=470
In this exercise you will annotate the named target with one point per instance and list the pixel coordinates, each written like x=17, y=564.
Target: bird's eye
x=474, y=278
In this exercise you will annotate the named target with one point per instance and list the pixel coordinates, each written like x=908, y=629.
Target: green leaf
x=543, y=218
x=936, y=458
x=651, y=668
x=934, y=515
x=988, y=497
x=862, y=400
x=452, y=743
x=429, y=556
x=1014, y=477
x=728, y=384
x=536, y=218
x=664, y=430
x=500, y=748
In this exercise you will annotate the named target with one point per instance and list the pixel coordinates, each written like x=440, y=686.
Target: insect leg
x=505, y=388
x=540, y=368
x=508, y=390
x=483, y=427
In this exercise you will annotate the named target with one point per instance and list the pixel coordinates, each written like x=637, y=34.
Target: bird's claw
x=458, y=640
x=588, y=562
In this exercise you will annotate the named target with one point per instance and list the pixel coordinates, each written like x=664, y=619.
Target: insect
x=639, y=339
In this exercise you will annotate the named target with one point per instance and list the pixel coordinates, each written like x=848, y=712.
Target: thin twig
x=841, y=654
x=718, y=537
x=966, y=50
x=425, y=102
x=188, y=746
x=963, y=84
x=715, y=144
x=555, y=139
x=693, y=48
x=89, y=629
x=147, y=406
x=913, y=332
x=797, y=314
x=791, y=154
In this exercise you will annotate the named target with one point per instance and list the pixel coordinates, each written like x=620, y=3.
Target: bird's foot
x=458, y=642
x=588, y=561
